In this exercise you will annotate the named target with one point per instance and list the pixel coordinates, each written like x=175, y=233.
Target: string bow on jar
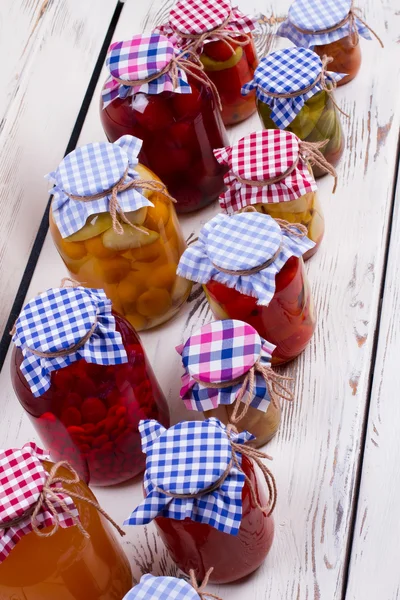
x=171, y=588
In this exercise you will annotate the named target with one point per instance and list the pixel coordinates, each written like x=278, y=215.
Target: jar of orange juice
x=115, y=227
x=55, y=539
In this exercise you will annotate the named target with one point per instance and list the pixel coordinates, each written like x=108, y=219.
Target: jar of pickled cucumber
x=169, y=588
x=295, y=92
x=269, y=171
x=55, y=539
x=223, y=37
x=114, y=225
x=329, y=28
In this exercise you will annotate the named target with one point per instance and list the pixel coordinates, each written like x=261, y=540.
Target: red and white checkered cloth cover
x=22, y=477
x=261, y=156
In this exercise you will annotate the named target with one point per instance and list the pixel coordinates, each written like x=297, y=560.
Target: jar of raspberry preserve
x=81, y=374
x=329, y=28
x=55, y=539
x=168, y=102
x=223, y=37
x=115, y=227
x=238, y=386
x=206, y=498
x=294, y=92
x=252, y=270
x=169, y=588
x=269, y=171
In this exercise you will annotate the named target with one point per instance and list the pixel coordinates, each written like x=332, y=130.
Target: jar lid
x=194, y=18
x=162, y=588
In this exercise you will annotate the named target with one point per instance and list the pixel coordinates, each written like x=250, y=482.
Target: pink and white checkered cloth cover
x=261, y=156
x=22, y=477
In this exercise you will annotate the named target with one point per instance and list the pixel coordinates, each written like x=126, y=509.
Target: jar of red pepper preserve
x=168, y=102
x=81, y=374
x=207, y=500
x=252, y=270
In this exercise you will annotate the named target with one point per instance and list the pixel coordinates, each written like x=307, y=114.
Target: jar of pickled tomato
x=223, y=37
x=81, y=374
x=62, y=547
x=168, y=588
x=186, y=464
x=173, y=107
x=238, y=386
x=252, y=270
x=330, y=29
x=294, y=92
x=269, y=171
x=115, y=227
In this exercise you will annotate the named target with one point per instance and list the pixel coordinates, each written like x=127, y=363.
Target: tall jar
x=222, y=35
x=330, y=29
x=270, y=172
x=115, y=227
x=173, y=108
x=294, y=92
x=252, y=270
x=168, y=588
x=69, y=554
x=81, y=374
x=230, y=531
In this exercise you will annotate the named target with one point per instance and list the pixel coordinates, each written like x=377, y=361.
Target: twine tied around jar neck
x=201, y=589
x=50, y=498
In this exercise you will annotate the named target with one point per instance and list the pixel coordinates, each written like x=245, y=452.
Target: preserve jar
x=330, y=29
x=81, y=374
x=173, y=108
x=252, y=270
x=170, y=588
x=62, y=547
x=115, y=228
x=238, y=385
x=269, y=171
x=206, y=498
x=222, y=35
x=294, y=92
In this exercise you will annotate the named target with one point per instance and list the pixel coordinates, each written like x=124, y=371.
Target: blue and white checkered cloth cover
x=162, y=588
x=240, y=242
x=59, y=318
x=317, y=15
x=186, y=459
x=90, y=170
x=285, y=72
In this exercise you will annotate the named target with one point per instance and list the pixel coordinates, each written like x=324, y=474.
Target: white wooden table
x=336, y=457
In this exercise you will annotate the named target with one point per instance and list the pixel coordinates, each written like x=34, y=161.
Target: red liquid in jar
x=90, y=414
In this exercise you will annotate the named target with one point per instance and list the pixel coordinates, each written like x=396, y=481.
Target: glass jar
x=346, y=57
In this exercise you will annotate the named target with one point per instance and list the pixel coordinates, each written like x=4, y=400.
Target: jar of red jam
x=207, y=499
x=238, y=385
x=252, y=270
x=222, y=35
x=81, y=374
x=330, y=29
x=168, y=102
x=169, y=588
x=55, y=539
x=294, y=92
x=269, y=171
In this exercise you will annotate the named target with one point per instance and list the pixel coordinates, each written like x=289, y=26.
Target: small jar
x=330, y=29
x=81, y=374
x=269, y=171
x=238, y=386
x=168, y=588
x=74, y=554
x=294, y=92
x=231, y=531
x=222, y=35
x=252, y=270
x=171, y=107
x=115, y=227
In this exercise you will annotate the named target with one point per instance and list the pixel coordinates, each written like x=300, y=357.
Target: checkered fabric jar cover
x=22, y=477
x=187, y=459
x=59, y=319
x=219, y=352
x=90, y=170
x=137, y=59
x=241, y=242
x=162, y=588
x=285, y=72
x=261, y=156
x=317, y=15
